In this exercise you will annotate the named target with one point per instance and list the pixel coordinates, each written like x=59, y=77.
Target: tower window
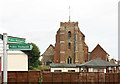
x=69, y=45
x=69, y=34
x=69, y=60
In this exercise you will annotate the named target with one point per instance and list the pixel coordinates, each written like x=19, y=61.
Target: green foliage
x=41, y=67
x=31, y=68
x=34, y=55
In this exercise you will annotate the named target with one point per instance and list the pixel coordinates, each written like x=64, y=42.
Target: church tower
x=70, y=46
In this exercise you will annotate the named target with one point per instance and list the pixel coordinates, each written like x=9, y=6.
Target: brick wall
x=57, y=48
x=62, y=52
x=98, y=52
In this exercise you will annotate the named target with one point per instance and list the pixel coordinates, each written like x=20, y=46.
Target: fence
x=62, y=77
x=82, y=78
x=23, y=77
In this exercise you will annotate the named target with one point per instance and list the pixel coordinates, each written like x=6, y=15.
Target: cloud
x=39, y=20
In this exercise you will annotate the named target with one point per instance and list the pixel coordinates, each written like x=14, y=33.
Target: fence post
x=79, y=78
x=16, y=75
x=70, y=78
x=86, y=77
x=52, y=77
x=98, y=77
x=27, y=77
x=104, y=78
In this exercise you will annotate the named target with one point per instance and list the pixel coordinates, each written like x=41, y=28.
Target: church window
x=69, y=60
x=69, y=45
x=69, y=34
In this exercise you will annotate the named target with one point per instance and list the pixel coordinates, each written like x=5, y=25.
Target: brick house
x=70, y=47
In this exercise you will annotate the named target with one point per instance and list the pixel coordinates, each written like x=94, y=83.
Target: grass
x=42, y=67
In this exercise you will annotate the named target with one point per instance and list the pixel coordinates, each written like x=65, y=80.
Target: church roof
x=100, y=48
x=48, y=48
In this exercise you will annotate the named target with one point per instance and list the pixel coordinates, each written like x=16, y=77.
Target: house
x=64, y=68
x=95, y=65
x=98, y=65
x=17, y=61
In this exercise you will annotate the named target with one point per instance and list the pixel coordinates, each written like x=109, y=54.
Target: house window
x=101, y=70
x=57, y=70
x=48, y=63
x=69, y=45
x=69, y=34
x=69, y=60
x=95, y=70
x=71, y=70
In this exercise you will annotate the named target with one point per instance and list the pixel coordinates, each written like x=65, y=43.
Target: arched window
x=69, y=34
x=69, y=45
x=69, y=60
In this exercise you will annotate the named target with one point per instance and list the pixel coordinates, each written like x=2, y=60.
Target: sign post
x=14, y=43
x=4, y=57
x=0, y=72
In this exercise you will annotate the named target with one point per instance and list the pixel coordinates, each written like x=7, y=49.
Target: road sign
x=20, y=46
x=16, y=40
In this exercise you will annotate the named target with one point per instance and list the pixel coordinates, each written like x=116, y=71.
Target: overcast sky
x=39, y=20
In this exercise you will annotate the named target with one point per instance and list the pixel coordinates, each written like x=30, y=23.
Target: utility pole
x=4, y=58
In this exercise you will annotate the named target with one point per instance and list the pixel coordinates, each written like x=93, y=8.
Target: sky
x=39, y=20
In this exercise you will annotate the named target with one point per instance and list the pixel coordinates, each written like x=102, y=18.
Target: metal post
x=0, y=72
x=5, y=58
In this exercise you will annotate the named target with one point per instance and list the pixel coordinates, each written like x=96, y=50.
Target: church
x=70, y=47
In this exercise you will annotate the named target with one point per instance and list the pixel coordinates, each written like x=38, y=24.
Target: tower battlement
x=69, y=24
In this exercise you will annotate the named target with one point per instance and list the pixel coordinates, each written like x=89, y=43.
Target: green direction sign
x=15, y=40
x=20, y=46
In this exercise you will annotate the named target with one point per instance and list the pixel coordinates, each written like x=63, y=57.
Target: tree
x=34, y=55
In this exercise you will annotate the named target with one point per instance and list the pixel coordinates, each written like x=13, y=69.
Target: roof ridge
x=98, y=45
x=48, y=48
